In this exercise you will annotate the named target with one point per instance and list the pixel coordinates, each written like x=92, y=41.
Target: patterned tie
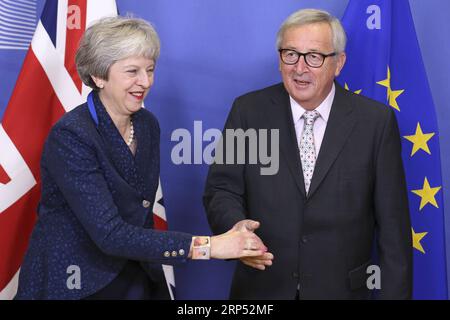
x=307, y=148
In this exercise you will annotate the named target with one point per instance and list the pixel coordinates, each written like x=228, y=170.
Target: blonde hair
x=110, y=40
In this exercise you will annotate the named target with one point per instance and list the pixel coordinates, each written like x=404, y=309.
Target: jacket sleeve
x=224, y=196
x=72, y=163
x=392, y=216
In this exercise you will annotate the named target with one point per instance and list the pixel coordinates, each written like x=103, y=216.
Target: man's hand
x=258, y=262
x=246, y=225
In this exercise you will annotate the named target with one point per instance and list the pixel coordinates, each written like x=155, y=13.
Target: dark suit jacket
x=92, y=212
x=322, y=241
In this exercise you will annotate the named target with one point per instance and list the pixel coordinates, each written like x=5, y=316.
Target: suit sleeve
x=224, y=196
x=392, y=216
x=74, y=167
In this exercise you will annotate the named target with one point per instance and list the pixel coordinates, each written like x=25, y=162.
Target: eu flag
x=384, y=63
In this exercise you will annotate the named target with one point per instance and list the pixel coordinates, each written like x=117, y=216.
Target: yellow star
x=347, y=88
x=427, y=194
x=419, y=139
x=416, y=237
x=387, y=83
x=392, y=95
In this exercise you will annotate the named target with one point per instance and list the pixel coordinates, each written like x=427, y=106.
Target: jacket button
x=181, y=252
x=174, y=254
x=146, y=203
x=166, y=254
x=304, y=239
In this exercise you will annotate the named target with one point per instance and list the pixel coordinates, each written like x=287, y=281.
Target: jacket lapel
x=340, y=125
x=147, y=157
x=116, y=148
x=281, y=118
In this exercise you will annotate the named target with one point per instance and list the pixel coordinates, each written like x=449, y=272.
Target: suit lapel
x=280, y=116
x=340, y=124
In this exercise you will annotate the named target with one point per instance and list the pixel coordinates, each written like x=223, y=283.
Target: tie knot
x=310, y=116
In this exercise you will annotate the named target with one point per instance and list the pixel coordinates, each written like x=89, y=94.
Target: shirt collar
x=323, y=109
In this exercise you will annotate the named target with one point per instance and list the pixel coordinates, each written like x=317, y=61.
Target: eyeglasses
x=312, y=59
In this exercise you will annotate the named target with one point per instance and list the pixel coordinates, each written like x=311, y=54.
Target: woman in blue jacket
x=100, y=172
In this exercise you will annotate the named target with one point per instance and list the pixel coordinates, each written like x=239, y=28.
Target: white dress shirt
x=321, y=122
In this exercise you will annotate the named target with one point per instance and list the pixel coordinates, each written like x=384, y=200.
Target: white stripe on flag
x=170, y=279
x=61, y=25
x=9, y=292
x=22, y=179
x=99, y=9
x=53, y=65
x=158, y=209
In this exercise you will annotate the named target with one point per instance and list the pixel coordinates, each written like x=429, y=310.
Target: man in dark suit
x=340, y=189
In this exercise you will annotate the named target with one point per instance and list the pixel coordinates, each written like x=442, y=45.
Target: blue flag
x=384, y=63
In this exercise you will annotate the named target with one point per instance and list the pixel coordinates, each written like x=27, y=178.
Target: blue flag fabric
x=384, y=63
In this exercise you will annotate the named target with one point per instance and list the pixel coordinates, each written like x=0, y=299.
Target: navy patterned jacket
x=96, y=206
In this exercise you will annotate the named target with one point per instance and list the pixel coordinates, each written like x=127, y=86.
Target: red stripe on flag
x=31, y=112
x=16, y=224
x=159, y=223
x=4, y=178
x=76, y=24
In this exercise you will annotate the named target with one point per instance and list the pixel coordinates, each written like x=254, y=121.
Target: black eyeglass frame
x=300, y=54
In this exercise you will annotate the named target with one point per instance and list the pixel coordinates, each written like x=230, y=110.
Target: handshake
x=240, y=242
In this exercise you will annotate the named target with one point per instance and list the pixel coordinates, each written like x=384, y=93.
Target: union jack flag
x=47, y=87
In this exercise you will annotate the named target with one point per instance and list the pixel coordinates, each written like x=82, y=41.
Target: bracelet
x=201, y=248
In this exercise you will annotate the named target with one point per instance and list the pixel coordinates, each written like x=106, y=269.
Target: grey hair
x=311, y=16
x=110, y=40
